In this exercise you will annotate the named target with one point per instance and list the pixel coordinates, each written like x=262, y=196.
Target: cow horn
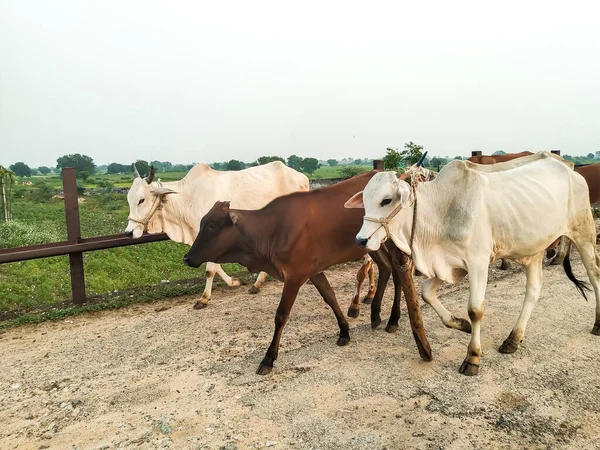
x=136, y=174
x=420, y=161
x=150, y=177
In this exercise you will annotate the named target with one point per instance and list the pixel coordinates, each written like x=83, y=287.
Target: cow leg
x=384, y=267
x=210, y=276
x=288, y=297
x=354, y=309
x=226, y=278
x=591, y=262
x=255, y=289
x=372, y=289
x=535, y=277
x=429, y=293
x=322, y=284
x=211, y=270
x=504, y=265
x=403, y=278
x=477, y=285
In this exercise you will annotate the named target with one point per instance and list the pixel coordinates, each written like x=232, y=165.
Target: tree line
x=393, y=159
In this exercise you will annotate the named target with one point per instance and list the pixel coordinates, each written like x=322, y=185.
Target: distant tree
x=44, y=170
x=80, y=162
x=590, y=156
x=350, y=171
x=295, y=162
x=498, y=153
x=309, y=165
x=267, y=159
x=101, y=168
x=568, y=157
x=83, y=175
x=158, y=166
x=34, y=172
x=142, y=167
x=332, y=162
x=412, y=152
x=436, y=162
x=21, y=169
x=180, y=168
x=113, y=168
x=392, y=159
x=459, y=158
x=218, y=166
x=234, y=164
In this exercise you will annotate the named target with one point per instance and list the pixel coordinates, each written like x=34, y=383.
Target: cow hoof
x=596, y=329
x=463, y=324
x=469, y=369
x=353, y=312
x=200, y=305
x=508, y=347
x=253, y=290
x=264, y=369
x=342, y=341
x=375, y=323
x=391, y=328
x=367, y=300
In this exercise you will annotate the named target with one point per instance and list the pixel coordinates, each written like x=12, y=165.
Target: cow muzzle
x=188, y=261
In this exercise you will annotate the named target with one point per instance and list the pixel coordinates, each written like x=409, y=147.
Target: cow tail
x=581, y=286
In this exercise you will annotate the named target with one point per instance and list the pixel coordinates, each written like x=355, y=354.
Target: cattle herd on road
x=474, y=212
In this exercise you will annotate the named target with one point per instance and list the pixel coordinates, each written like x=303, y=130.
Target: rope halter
x=383, y=222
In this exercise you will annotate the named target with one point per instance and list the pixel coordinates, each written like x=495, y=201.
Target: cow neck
x=258, y=227
x=156, y=221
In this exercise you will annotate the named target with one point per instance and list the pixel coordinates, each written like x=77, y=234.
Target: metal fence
x=74, y=246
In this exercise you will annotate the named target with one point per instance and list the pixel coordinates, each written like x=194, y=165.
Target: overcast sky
x=215, y=80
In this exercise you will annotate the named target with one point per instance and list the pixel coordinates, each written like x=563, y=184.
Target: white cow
x=176, y=208
x=471, y=215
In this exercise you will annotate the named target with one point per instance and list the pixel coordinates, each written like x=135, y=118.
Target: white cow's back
x=197, y=192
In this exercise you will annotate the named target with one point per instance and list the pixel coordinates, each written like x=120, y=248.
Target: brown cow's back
x=309, y=222
x=484, y=159
x=591, y=174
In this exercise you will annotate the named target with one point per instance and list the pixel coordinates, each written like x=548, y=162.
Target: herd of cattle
x=474, y=212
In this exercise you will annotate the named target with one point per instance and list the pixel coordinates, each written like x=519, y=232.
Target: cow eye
x=141, y=201
x=211, y=227
x=386, y=201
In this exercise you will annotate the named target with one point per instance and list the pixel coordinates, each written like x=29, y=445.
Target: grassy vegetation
x=333, y=172
x=39, y=284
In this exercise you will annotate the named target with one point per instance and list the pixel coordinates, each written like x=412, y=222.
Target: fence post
x=73, y=233
x=377, y=164
x=476, y=153
x=556, y=152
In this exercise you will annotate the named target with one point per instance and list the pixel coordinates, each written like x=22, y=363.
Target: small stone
x=209, y=430
x=271, y=443
x=16, y=386
x=164, y=428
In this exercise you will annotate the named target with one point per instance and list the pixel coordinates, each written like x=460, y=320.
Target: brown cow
x=295, y=238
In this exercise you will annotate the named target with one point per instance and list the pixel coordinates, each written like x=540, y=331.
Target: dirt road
x=167, y=376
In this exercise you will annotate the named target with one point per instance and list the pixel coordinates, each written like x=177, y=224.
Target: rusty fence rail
x=74, y=246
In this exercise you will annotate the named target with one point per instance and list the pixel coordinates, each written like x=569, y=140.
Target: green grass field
x=38, y=284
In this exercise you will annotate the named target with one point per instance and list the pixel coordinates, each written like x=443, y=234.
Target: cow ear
x=163, y=191
x=356, y=201
x=233, y=217
x=405, y=193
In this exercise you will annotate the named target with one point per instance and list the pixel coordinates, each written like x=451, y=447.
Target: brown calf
x=295, y=238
